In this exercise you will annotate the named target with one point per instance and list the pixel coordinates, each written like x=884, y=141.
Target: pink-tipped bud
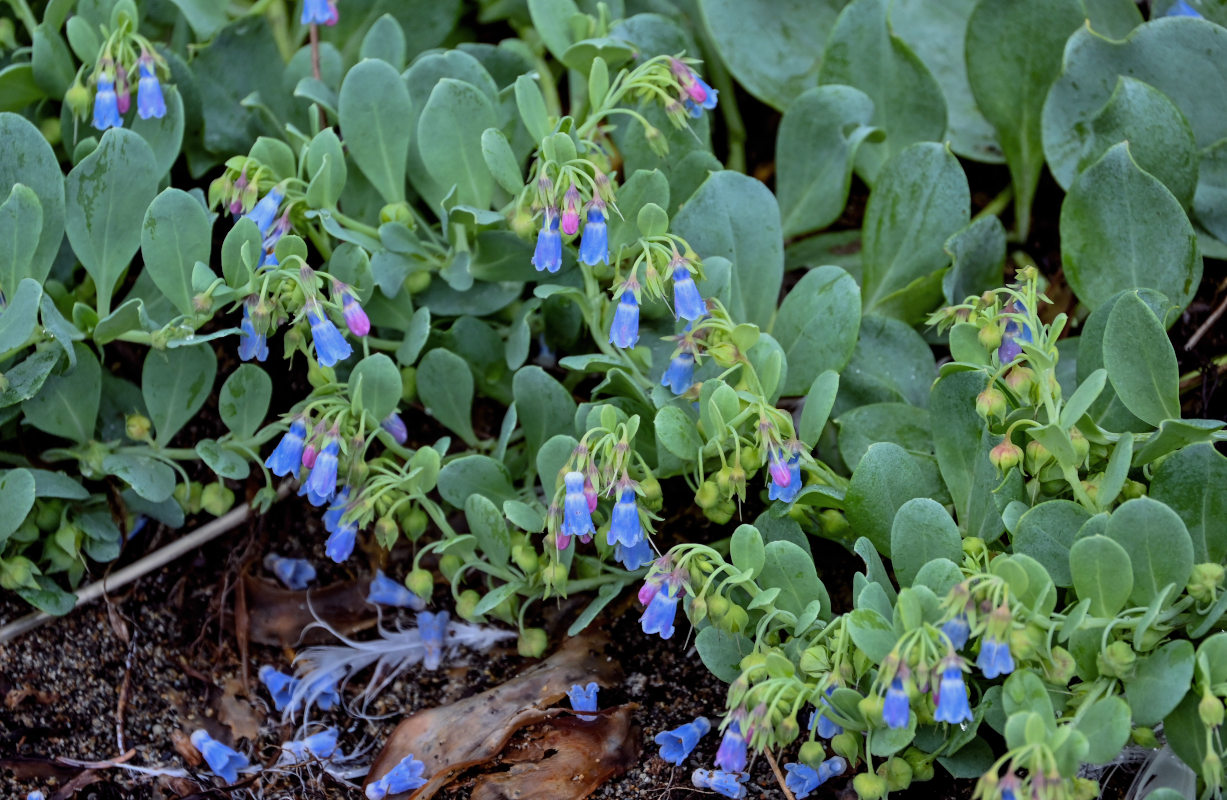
x=570, y=214
x=356, y=320
x=1006, y=455
x=778, y=467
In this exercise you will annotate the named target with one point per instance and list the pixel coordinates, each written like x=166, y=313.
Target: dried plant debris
x=564, y=758
x=283, y=617
x=321, y=668
x=474, y=731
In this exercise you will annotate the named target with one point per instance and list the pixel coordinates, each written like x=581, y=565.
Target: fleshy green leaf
x=1122, y=229
x=1141, y=362
x=175, y=235
x=377, y=121
x=175, y=384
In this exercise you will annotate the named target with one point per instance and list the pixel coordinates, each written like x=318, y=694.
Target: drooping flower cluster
x=561, y=219
x=660, y=594
x=586, y=479
x=697, y=96
x=112, y=77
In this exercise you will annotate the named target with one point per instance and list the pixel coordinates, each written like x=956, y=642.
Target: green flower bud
x=753, y=661
x=920, y=762
x=697, y=609
x=449, y=565
x=736, y=620
x=990, y=336
x=525, y=557
x=1210, y=709
x=137, y=426
x=1005, y=456
x=413, y=522
x=418, y=282
x=834, y=523
x=386, y=532
x=47, y=514
x=1144, y=737
x=1082, y=447
x=1085, y=789
x=869, y=786
x=1117, y=660
x=812, y=754
x=990, y=403
x=556, y=574
x=1060, y=668
x=1132, y=490
x=523, y=224
x=788, y=730
x=1021, y=381
x=421, y=583
x=1212, y=769
x=722, y=512
x=898, y=774
x=815, y=660
x=1037, y=457
x=396, y=212
x=750, y=460
x=1205, y=582
x=717, y=607
x=78, y=99
x=707, y=495
x=848, y=745
x=871, y=708
x=216, y=499
x=466, y=606
x=974, y=546
x=651, y=498
x=532, y=643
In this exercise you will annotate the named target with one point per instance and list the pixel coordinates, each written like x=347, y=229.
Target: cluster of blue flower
x=626, y=534
x=594, y=244
x=112, y=97
x=950, y=692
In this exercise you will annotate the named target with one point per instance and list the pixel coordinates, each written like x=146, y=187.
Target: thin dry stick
x=122, y=706
x=1205, y=327
x=779, y=776
x=142, y=567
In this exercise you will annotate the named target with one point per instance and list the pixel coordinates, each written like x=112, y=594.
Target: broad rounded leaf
x=817, y=325
x=1102, y=573
x=38, y=169
x=106, y=195
x=175, y=235
x=908, y=103
x=1158, y=545
x=1122, y=229
x=815, y=148
x=773, y=48
x=376, y=120
x=921, y=200
x=922, y=532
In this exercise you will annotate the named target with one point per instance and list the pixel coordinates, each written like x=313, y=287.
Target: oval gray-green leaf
x=1141, y=362
x=38, y=169
x=175, y=384
x=106, y=196
x=175, y=235
x=1102, y=573
x=1122, y=229
x=909, y=106
x=377, y=121
x=817, y=325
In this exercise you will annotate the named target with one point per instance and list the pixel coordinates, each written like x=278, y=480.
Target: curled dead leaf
x=453, y=738
x=277, y=616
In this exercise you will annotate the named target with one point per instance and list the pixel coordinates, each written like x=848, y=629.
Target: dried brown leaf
x=277, y=616
x=573, y=758
x=456, y=737
x=236, y=712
